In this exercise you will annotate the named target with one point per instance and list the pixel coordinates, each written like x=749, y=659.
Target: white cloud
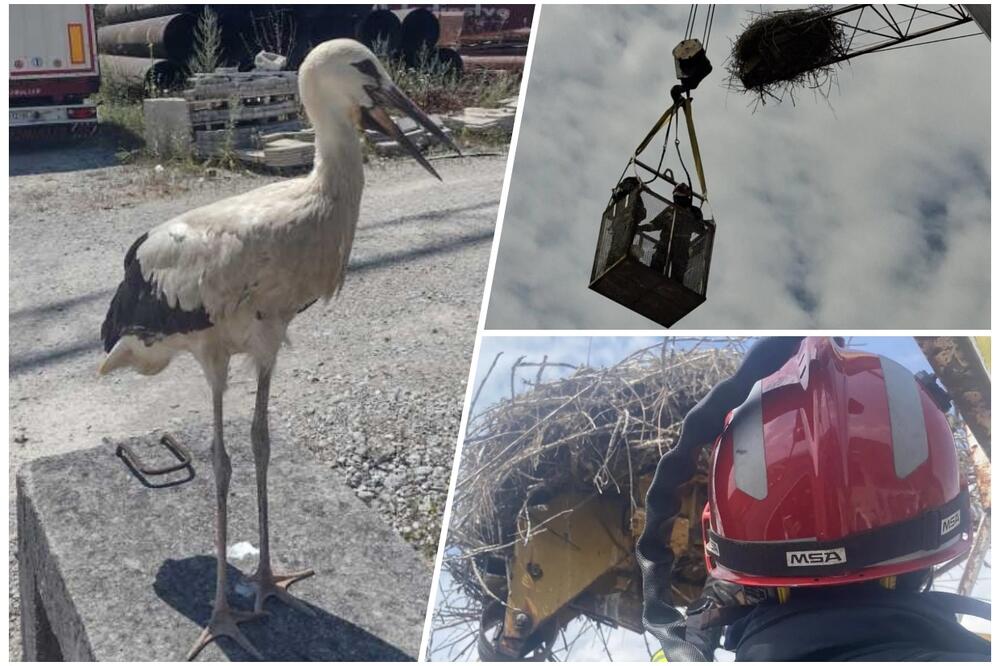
x=871, y=211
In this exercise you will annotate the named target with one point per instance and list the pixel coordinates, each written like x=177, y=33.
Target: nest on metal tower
x=598, y=430
x=781, y=52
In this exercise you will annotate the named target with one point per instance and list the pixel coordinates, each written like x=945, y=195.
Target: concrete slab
x=115, y=569
x=167, y=126
x=478, y=119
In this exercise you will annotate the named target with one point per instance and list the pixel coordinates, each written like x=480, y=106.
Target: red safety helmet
x=838, y=468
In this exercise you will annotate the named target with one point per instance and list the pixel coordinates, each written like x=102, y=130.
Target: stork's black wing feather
x=138, y=309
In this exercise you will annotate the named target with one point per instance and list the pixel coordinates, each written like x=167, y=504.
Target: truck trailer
x=53, y=69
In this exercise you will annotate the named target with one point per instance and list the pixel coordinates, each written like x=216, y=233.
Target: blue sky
x=608, y=350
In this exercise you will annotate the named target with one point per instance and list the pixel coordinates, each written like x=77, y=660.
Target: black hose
x=701, y=426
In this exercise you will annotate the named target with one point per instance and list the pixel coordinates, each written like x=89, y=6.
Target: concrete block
x=476, y=119
x=281, y=153
x=167, y=126
x=269, y=61
x=113, y=569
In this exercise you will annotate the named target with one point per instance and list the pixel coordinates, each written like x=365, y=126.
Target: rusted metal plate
x=957, y=363
x=620, y=607
x=451, y=22
x=575, y=541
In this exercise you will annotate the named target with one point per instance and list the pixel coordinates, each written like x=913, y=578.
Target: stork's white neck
x=338, y=168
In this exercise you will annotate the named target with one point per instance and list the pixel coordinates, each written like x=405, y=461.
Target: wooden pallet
x=217, y=103
x=239, y=115
x=218, y=141
x=231, y=110
x=225, y=84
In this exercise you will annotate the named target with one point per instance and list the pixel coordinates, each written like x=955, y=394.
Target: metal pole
x=980, y=546
x=981, y=15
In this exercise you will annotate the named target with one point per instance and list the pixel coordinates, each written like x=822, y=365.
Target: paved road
x=374, y=381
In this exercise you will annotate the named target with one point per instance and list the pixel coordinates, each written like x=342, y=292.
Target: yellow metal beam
x=961, y=366
x=574, y=541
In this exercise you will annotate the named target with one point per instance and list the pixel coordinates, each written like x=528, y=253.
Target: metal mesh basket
x=617, y=229
x=620, y=236
x=696, y=276
x=663, y=274
x=639, y=267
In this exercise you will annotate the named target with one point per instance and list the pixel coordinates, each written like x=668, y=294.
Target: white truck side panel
x=40, y=41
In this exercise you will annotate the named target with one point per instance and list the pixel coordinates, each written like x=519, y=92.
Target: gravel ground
x=373, y=383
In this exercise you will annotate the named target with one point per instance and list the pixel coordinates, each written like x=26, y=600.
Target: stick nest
x=599, y=430
x=781, y=52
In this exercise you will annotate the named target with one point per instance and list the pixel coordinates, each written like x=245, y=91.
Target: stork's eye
x=368, y=68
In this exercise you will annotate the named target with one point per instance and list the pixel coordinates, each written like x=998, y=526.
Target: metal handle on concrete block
x=132, y=460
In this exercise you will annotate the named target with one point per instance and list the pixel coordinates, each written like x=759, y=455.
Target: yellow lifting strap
x=694, y=147
x=656, y=128
x=659, y=656
x=664, y=119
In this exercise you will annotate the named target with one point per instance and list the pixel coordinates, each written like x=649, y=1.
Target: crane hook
x=692, y=66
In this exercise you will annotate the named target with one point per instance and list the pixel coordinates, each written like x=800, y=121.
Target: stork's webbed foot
x=267, y=584
x=224, y=623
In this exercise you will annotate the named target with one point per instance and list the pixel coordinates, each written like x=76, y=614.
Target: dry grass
x=437, y=88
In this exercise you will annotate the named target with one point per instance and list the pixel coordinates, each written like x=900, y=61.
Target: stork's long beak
x=376, y=118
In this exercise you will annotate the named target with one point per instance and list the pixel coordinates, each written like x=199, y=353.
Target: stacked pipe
x=154, y=43
x=381, y=31
x=148, y=45
x=411, y=34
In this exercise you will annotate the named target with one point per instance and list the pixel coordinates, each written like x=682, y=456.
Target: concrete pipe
x=380, y=27
x=421, y=30
x=145, y=72
x=450, y=59
x=114, y=14
x=170, y=37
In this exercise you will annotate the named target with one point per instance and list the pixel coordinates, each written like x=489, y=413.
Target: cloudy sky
x=867, y=211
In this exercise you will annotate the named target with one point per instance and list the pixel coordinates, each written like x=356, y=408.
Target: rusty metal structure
x=963, y=366
x=583, y=565
x=477, y=37
x=871, y=28
x=959, y=365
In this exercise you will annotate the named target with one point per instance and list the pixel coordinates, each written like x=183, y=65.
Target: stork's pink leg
x=224, y=619
x=265, y=581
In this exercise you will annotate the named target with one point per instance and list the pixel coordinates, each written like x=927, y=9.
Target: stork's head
x=342, y=78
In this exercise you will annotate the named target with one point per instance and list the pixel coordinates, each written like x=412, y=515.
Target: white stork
x=228, y=278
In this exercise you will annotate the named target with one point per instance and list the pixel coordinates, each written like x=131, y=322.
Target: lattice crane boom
x=872, y=28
